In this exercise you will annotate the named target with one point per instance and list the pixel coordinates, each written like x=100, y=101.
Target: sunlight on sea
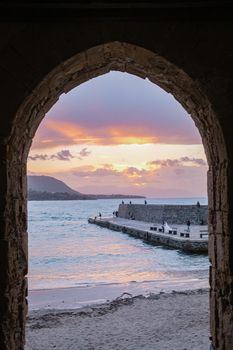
x=66, y=251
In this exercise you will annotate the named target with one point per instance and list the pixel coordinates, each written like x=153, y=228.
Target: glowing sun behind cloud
x=121, y=134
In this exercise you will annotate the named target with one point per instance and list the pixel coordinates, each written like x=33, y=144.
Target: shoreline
x=79, y=296
x=165, y=321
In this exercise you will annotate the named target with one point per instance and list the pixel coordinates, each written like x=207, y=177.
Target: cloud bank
x=178, y=162
x=64, y=154
x=116, y=108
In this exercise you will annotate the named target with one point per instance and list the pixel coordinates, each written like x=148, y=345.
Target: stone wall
x=172, y=214
x=191, y=59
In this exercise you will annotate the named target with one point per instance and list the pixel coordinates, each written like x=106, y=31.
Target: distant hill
x=54, y=196
x=48, y=184
x=50, y=188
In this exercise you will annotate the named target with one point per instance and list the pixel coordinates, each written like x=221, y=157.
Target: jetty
x=193, y=240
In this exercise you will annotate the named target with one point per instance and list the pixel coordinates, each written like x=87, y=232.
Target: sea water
x=66, y=251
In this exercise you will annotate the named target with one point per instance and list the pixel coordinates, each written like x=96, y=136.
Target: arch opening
x=76, y=98
x=117, y=56
x=82, y=67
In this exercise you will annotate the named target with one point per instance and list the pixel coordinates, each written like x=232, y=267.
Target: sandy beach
x=164, y=321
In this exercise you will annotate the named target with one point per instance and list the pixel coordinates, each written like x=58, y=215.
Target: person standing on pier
x=163, y=229
x=188, y=225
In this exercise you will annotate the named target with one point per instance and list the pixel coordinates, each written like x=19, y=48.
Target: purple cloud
x=178, y=162
x=198, y=161
x=133, y=171
x=88, y=171
x=62, y=155
x=39, y=157
x=166, y=162
x=108, y=170
x=84, y=153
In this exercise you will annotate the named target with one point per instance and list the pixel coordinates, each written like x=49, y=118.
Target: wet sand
x=76, y=297
x=165, y=321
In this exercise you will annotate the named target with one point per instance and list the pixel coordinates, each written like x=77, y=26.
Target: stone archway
x=69, y=74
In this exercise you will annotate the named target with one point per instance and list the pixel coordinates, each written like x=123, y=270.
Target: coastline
x=165, y=321
x=170, y=311
x=85, y=295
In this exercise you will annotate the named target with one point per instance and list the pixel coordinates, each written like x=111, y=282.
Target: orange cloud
x=131, y=175
x=62, y=133
x=168, y=180
x=116, y=108
x=154, y=171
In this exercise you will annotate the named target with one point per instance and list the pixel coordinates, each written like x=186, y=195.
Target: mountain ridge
x=44, y=183
x=43, y=187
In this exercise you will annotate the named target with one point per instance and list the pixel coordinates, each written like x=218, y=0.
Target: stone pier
x=196, y=240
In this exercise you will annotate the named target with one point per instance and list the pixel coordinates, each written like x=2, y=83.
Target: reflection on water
x=66, y=251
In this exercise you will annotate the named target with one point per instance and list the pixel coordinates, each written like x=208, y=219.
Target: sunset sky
x=121, y=134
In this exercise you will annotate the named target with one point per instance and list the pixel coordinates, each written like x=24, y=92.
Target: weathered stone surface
x=172, y=214
x=39, y=61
